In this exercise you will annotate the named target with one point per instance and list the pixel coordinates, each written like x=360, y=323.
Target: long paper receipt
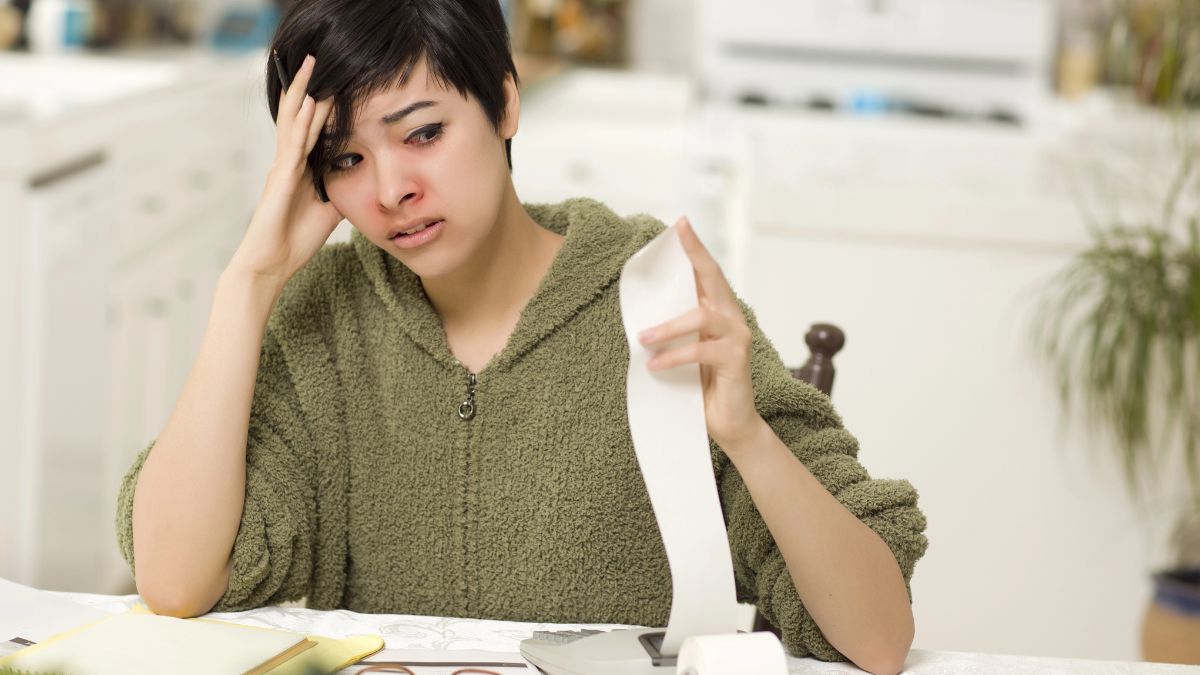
x=670, y=437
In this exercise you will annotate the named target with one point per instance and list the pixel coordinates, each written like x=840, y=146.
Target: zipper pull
x=466, y=410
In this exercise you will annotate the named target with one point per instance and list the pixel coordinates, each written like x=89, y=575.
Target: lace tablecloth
x=501, y=638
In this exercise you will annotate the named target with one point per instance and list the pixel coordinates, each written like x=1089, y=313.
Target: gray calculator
x=633, y=651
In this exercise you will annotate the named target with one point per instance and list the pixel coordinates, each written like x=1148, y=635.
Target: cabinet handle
x=66, y=171
x=579, y=172
x=201, y=180
x=155, y=308
x=152, y=205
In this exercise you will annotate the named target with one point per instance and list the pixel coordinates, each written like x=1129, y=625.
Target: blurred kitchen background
x=917, y=172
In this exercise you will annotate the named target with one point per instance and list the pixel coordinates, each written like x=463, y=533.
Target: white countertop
x=55, y=109
x=43, y=87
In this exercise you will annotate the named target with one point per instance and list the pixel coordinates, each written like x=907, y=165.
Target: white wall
x=1033, y=550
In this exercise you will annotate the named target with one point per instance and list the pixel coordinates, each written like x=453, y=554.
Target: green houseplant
x=1120, y=328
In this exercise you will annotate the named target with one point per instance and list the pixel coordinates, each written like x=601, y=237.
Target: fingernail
x=646, y=335
x=309, y=58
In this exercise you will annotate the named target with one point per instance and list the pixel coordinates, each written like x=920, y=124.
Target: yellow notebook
x=139, y=641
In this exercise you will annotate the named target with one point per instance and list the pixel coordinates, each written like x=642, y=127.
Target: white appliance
x=990, y=58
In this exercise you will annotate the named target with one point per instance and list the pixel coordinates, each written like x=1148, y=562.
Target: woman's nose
x=394, y=184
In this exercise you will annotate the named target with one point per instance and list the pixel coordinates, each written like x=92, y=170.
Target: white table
x=445, y=636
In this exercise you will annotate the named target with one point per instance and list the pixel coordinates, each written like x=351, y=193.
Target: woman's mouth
x=419, y=235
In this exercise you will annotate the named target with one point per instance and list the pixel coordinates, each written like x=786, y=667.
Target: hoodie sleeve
x=805, y=420
x=273, y=553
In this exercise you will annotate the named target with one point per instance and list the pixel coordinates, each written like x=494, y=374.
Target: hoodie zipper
x=466, y=412
x=466, y=409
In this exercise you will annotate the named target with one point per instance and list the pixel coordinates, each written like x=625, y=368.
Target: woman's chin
x=427, y=267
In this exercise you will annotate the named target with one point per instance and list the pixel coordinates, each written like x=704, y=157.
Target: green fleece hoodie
x=366, y=489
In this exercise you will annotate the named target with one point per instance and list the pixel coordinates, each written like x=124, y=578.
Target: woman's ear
x=512, y=108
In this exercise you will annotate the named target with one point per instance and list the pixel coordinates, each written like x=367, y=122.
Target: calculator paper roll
x=758, y=653
x=670, y=437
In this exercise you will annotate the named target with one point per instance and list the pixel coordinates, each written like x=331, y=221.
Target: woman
x=431, y=419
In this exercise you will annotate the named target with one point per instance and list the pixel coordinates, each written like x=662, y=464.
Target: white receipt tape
x=670, y=437
x=738, y=654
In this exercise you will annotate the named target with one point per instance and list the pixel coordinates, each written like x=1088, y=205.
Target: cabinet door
x=159, y=312
x=66, y=270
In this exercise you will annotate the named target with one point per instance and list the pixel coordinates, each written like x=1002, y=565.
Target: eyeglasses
x=404, y=670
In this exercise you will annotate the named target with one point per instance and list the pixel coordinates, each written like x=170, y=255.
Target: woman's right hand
x=291, y=223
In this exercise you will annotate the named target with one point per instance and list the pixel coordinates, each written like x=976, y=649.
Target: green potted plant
x=1120, y=328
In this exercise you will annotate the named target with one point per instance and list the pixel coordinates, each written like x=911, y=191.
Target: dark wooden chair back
x=824, y=341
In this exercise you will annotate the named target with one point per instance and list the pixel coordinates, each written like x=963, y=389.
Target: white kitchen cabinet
x=611, y=136
x=120, y=214
x=65, y=277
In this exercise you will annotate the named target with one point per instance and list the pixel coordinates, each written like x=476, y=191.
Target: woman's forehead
x=421, y=87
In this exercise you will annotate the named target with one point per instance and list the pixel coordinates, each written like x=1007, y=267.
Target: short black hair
x=365, y=46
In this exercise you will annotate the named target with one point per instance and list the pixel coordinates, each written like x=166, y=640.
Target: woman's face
x=421, y=154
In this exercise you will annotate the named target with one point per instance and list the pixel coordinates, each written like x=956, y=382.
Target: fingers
x=317, y=124
x=687, y=323
x=724, y=338
x=689, y=353
x=304, y=120
x=721, y=355
x=722, y=342
x=697, y=320
x=718, y=313
x=292, y=139
x=292, y=101
x=709, y=278
x=300, y=118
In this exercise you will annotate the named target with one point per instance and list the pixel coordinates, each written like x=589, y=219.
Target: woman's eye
x=426, y=135
x=344, y=162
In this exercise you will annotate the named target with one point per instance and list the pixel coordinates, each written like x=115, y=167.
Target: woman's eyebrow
x=390, y=118
x=400, y=114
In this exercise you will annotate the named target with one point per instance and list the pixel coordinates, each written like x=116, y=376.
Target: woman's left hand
x=722, y=350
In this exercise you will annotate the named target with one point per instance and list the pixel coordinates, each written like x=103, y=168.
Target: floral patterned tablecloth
x=418, y=637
